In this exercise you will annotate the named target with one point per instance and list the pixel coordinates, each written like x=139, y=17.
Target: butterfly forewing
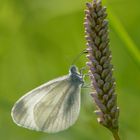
x=22, y=111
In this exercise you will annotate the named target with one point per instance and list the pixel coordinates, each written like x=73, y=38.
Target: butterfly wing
x=22, y=111
x=59, y=109
x=51, y=107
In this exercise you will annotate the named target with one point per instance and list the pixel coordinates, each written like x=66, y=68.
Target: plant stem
x=116, y=135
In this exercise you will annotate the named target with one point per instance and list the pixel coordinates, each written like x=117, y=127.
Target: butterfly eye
x=73, y=69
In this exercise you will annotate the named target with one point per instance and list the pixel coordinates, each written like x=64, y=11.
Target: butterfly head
x=75, y=76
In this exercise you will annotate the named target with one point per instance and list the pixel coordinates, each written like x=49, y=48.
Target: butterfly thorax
x=75, y=77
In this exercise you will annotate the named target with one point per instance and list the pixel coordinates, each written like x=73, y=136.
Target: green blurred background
x=39, y=40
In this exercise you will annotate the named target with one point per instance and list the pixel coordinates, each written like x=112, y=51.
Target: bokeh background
x=39, y=39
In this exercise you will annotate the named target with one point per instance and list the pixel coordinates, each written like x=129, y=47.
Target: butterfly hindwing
x=51, y=107
x=58, y=109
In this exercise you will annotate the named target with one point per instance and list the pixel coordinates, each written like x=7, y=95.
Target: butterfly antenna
x=78, y=56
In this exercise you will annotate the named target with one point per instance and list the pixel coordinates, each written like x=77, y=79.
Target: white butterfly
x=51, y=107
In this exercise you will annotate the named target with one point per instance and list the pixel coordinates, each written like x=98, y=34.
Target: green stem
x=116, y=135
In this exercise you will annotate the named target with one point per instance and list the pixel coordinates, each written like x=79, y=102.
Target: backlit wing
x=59, y=109
x=22, y=111
x=51, y=107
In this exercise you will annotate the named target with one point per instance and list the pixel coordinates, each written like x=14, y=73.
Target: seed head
x=100, y=68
